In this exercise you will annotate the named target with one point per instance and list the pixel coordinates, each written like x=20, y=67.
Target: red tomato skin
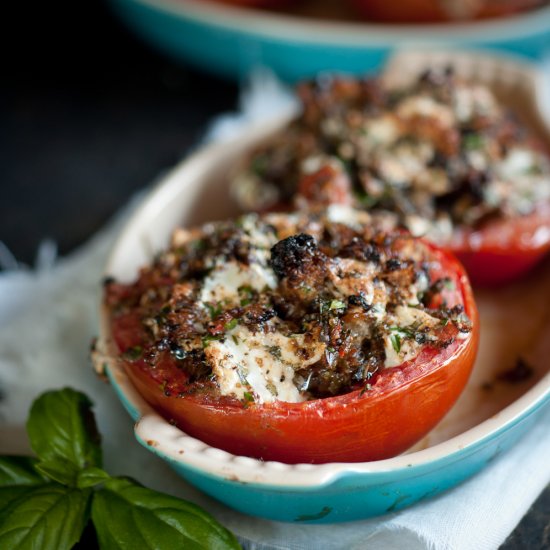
x=504, y=250
x=489, y=268
x=402, y=406
x=381, y=423
x=433, y=11
x=257, y=3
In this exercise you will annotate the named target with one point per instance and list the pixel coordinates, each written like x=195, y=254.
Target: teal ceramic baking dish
x=481, y=425
x=231, y=41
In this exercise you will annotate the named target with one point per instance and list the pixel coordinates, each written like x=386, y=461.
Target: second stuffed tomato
x=440, y=157
x=299, y=338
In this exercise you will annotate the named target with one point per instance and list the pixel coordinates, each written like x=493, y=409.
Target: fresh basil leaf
x=17, y=477
x=60, y=470
x=91, y=477
x=19, y=470
x=127, y=515
x=49, y=517
x=12, y=492
x=61, y=425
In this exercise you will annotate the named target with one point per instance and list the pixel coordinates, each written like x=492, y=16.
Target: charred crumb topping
x=285, y=307
x=437, y=154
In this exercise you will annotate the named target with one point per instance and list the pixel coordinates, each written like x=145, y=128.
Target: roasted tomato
x=299, y=338
x=257, y=3
x=504, y=250
x=434, y=11
x=440, y=157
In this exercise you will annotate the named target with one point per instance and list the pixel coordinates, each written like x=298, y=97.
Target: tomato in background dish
x=437, y=11
x=504, y=250
x=378, y=421
x=499, y=252
x=441, y=157
x=256, y=3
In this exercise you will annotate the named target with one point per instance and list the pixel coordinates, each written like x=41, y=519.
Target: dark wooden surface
x=89, y=115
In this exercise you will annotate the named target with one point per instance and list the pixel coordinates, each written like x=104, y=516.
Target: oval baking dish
x=490, y=416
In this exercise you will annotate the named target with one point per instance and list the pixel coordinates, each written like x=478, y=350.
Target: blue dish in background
x=231, y=41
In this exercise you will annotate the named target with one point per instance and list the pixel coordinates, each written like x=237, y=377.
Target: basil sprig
x=46, y=502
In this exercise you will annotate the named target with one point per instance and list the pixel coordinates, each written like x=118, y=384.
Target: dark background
x=88, y=116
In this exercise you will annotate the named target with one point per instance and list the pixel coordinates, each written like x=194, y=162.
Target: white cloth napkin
x=48, y=317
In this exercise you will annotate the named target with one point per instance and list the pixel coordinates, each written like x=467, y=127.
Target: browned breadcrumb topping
x=287, y=306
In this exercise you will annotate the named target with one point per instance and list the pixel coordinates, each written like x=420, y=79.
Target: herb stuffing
x=284, y=307
x=434, y=155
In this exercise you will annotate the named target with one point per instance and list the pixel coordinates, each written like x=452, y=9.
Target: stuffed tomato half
x=298, y=338
x=440, y=157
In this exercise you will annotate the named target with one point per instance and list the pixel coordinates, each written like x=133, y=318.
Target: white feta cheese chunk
x=425, y=106
x=399, y=342
x=517, y=162
x=356, y=219
x=262, y=364
x=224, y=281
x=383, y=130
x=352, y=277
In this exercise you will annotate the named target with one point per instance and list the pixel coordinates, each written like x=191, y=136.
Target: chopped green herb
x=248, y=397
x=213, y=310
x=408, y=332
x=275, y=351
x=246, y=289
x=448, y=283
x=396, y=342
x=471, y=142
x=534, y=170
x=235, y=339
x=207, y=338
x=133, y=354
x=258, y=165
x=336, y=304
x=199, y=244
x=247, y=294
x=365, y=199
x=231, y=325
